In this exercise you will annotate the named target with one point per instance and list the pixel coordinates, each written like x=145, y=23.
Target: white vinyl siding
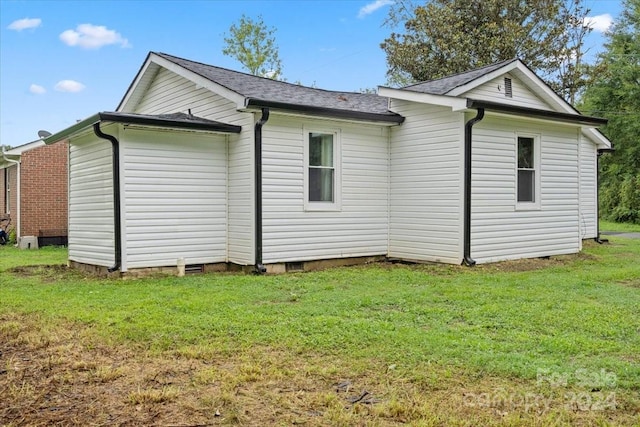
x=91, y=219
x=359, y=228
x=426, y=184
x=588, y=188
x=175, y=199
x=498, y=230
x=171, y=93
x=494, y=90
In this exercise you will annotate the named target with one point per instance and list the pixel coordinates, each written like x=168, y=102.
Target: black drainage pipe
x=468, y=136
x=259, y=267
x=115, y=160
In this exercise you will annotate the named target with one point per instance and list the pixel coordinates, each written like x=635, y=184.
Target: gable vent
x=508, y=91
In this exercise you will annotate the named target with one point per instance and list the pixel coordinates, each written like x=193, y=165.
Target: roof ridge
x=495, y=64
x=266, y=79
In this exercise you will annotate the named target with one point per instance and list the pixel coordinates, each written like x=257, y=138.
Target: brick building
x=33, y=180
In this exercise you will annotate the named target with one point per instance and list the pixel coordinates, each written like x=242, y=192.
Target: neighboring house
x=33, y=179
x=214, y=166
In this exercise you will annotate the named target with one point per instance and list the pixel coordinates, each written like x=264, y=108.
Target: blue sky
x=61, y=61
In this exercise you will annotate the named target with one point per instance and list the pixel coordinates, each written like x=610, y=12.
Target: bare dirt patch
x=47, y=273
x=61, y=374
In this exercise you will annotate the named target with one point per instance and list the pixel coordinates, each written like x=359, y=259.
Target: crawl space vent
x=193, y=268
x=294, y=266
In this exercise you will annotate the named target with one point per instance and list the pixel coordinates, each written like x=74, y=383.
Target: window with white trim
x=322, y=172
x=528, y=172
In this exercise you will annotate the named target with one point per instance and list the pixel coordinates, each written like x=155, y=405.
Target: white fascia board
x=540, y=88
x=227, y=93
x=483, y=79
x=597, y=137
x=17, y=151
x=455, y=103
x=136, y=87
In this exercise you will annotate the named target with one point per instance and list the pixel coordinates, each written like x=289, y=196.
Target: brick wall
x=43, y=190
x=3, y=193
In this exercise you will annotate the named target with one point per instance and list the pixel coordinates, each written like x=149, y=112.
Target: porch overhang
x=179, y=121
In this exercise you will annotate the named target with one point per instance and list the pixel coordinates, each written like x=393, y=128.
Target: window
x=322, y=172
x=528, y=171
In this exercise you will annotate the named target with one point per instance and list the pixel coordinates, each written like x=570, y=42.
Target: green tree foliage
x=253, y=44
x=615, y=95
x=443, y=37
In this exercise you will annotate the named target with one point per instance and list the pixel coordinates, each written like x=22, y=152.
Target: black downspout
x=259, y=267
x=598, y=239
x=115, y=159
x=467, y=260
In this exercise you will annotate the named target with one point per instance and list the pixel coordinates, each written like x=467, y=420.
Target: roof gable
x=248, y=90
x=463, y=84
x=445, y=85
x=465, y=90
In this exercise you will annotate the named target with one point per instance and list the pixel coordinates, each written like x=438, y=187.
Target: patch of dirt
x=38, y=270
x=49, y=273
x=532, y=264
x=61, y=374
x=632, y=283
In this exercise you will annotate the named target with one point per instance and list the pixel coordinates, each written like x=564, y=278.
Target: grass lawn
x=531, y=342
x=619, y=226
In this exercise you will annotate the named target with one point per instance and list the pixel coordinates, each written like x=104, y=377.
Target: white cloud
x=600, y=23
x=37, y=89
x=372, y=7
x=90, y=36
x=69, y=86
x=24, y=24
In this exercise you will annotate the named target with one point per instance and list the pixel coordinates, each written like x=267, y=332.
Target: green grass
x=576, y=314
x=619, y=226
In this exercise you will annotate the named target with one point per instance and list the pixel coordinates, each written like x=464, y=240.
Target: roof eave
x=579, y=119
x=17, y=151
x=455, y=103
x=72, y=130
x=335, y=113
x=168, y=123
x=124, y=118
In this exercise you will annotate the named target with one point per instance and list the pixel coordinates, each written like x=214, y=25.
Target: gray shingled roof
x=273, y=91
x=447, y=84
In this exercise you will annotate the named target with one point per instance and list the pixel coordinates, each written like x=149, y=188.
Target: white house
x=218, y=167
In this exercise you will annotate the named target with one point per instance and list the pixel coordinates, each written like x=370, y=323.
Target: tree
x=572, y=73
x=444, y=37
x=615, y=95
x=254, y=46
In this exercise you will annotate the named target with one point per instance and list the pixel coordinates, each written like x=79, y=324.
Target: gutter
x=537, y=113
x=324, y=111
x=468, y=137
x=162, y=121
x=600, y=151
x=17, y=163
x=259, y=267
x=116, y=195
